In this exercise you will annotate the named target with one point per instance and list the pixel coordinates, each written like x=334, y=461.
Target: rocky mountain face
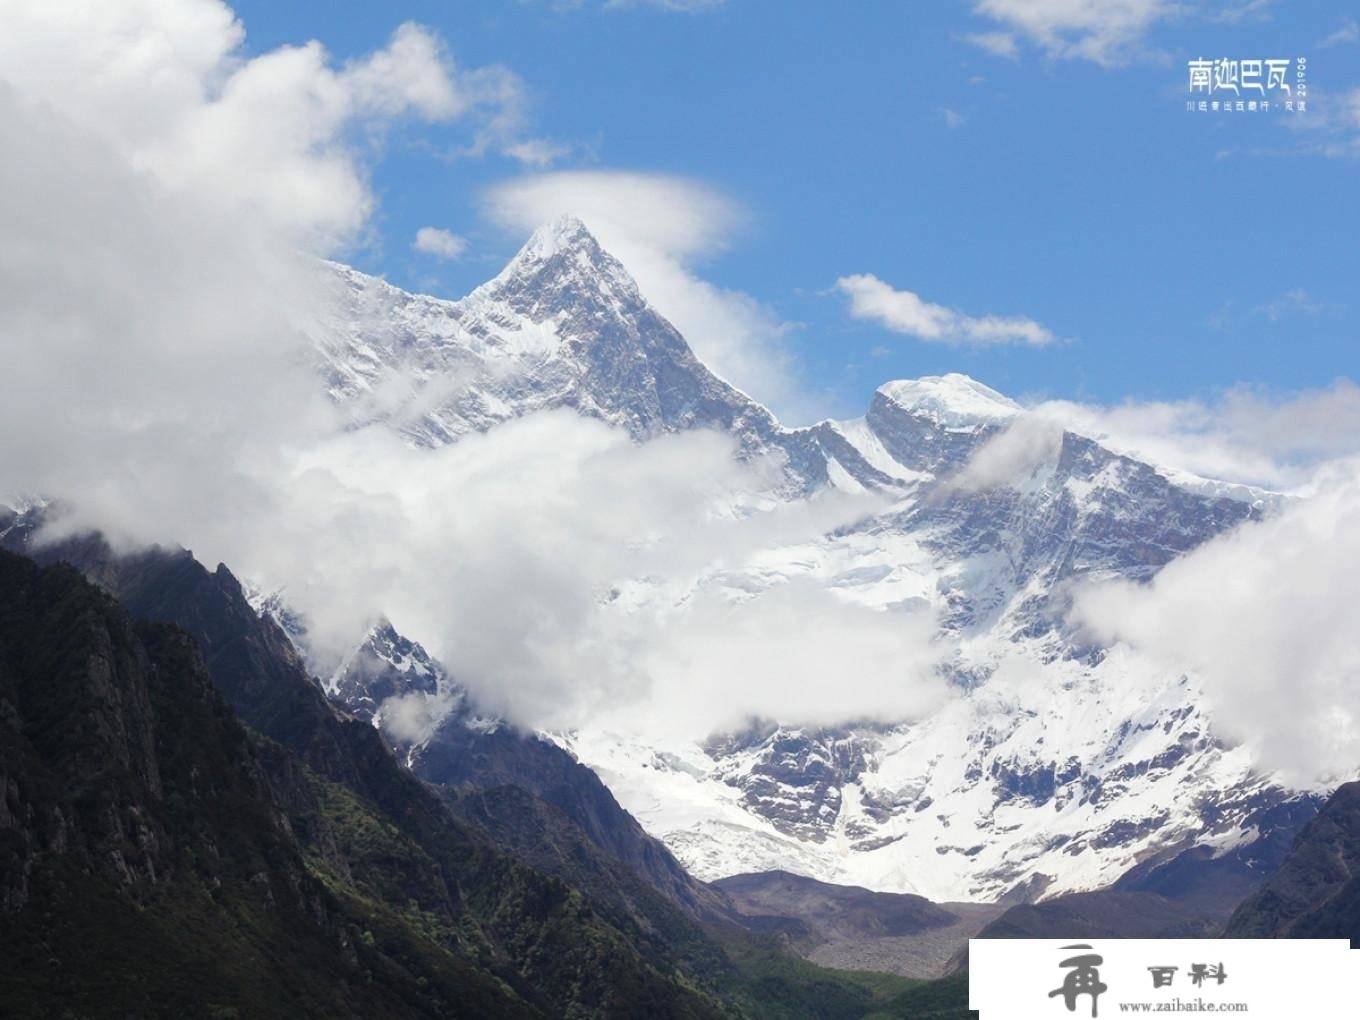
x=1187, y=894
x=385, y=666
x=468, y=760
x=1058, y=766
x=1315, y=893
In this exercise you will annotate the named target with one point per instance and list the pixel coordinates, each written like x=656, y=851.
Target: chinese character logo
x=1083, y=978
x=1248, y=85
x=1162, y=976
x=1201, y=972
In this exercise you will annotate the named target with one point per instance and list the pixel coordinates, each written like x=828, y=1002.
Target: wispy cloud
x=673, y=6
x=1347, y=34
x=904, y=311
x=1331, y=126
x=538, y=153
x=998, y=44
x=679, y=6
x=952, y=118
x=1242, y=11
x=1108, y=32
x=1292, y=302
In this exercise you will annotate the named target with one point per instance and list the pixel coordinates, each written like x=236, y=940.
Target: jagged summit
x=563, y=325
x=953, y=400
x=563, y=233
x=563, y=267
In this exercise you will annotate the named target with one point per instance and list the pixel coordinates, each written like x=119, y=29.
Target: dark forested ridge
x=159, y=860
x=190, y=828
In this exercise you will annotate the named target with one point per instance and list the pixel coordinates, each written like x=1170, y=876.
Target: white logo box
x=1263, y=979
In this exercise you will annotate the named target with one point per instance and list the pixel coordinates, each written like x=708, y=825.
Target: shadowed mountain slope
x=1315, y=893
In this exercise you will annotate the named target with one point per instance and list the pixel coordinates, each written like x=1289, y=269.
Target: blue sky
x=1171, y=254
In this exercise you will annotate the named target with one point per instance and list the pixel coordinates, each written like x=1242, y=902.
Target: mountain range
x=1059, y=766
x=191, y=791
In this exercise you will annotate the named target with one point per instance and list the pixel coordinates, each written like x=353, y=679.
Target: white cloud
x=683, y=218
x=952, y=118
x=537, y=152
x=1242, y=11
x=1295, y=301
x=1245, y=435
x=1330, y=127
x=660, y=227
x=436, y=241
x=1266, y=616
x=1107, y=32
x=718, y=664
x=285, y=135
x=999, y=44
x=1347, y=33
x=903, y=311
x=510, y=556
x=154, y=372
x=157, y=188
x=412, y=73
x=1012, y=456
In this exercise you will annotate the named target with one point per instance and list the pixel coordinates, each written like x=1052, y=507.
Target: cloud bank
x=283, y=136
x=522, y=558
x=158, y=383
x=1245, y=435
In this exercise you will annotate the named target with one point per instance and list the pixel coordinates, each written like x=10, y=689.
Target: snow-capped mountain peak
x=561, y=268
x=565, y=235
x=951, y=401
x=563, y=325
